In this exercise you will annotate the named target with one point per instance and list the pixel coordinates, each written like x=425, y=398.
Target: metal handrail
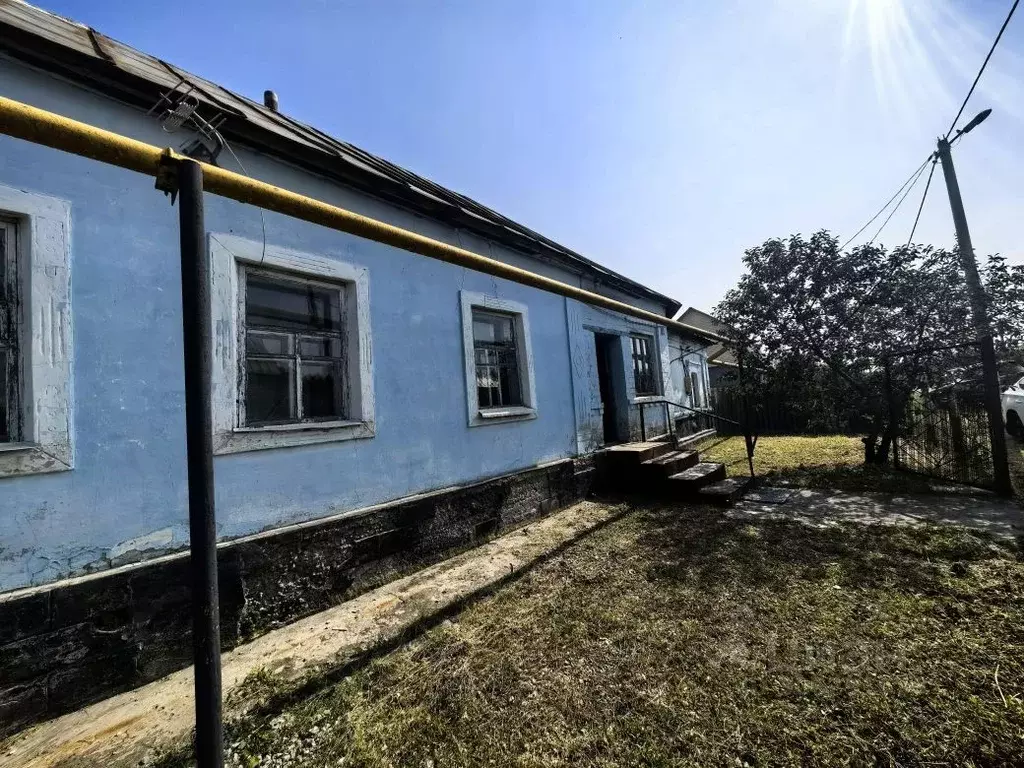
x=749, y=438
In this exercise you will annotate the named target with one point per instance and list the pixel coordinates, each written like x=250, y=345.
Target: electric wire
x=917, y=178
x=888, y=202
x=263, y=218
x=983, y=65
x=924, y=197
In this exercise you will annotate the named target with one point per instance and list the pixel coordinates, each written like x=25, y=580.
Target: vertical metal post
x=198, y=338
x=643, y=426
x=893, y=416
x=748, y=437
x=996, y=430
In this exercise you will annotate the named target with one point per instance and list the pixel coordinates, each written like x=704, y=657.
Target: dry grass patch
x=829, y=461
x=678, y=637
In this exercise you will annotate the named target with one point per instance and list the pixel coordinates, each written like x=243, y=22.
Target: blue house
x=372, y=408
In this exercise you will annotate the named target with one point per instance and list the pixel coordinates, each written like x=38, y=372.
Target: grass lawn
x=679, y=637
x=831, y=461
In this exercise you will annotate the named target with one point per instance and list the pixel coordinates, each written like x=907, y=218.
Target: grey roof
x=718, y=354
x=83, y=55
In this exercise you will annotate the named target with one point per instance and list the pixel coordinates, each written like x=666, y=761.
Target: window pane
x=321, y=387
x=290, y=305
x=492, y=328
x=260, y=343
x=269, y=392
x=319, y=346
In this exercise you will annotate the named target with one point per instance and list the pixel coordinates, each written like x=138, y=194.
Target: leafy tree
x=804, y=305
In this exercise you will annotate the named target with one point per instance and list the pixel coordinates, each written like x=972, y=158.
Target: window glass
x=9, y=334
x=643, y=366
x=498, y=379
x=293, y=350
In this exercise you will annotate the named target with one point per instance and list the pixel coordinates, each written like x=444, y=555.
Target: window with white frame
x=500, y=382
x=645, y=379
x=296, y=367
x=35, y=334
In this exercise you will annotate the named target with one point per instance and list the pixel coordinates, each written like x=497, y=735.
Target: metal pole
x=643, y=426
x=890, y=397
x=198, y=338
x=975, y=291
x=979, y=317
x=1000, y=457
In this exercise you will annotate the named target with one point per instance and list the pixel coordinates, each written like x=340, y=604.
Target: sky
x=659, y=138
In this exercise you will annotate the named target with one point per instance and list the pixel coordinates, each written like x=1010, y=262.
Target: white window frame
x=524, y=353
x=46, y=334
x=230, y=255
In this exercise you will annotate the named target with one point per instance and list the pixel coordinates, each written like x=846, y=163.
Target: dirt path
x=999, y=517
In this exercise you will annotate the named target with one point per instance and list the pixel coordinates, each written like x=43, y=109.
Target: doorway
x=609, y=352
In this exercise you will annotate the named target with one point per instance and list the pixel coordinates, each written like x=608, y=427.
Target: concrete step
x=691, y=480
x=670, y=464
x=726, y=491
x=687, y=442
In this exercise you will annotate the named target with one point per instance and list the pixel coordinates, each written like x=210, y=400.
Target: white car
x=1013, y=408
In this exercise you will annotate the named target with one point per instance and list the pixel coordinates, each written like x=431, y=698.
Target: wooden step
x=697, y=476
x=726, y=491
x=670, y=464
x=634, y=454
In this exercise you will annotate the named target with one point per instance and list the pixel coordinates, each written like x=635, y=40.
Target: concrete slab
x=128, y=729
x=985, y=513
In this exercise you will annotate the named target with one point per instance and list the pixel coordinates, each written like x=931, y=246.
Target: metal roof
x=83, y=55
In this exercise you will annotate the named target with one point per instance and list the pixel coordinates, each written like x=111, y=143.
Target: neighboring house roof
x=718, y=354
x=80, y=54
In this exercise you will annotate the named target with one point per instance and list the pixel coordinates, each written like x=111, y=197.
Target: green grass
x=831, y=461
x=679, y=637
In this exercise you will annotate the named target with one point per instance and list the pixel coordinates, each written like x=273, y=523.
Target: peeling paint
x=161, y=539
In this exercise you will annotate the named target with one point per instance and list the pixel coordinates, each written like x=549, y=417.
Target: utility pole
x=979, y=315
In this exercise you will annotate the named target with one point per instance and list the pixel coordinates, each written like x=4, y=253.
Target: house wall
x=125, y=498
x=686, y=355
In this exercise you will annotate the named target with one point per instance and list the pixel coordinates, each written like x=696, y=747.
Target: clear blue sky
x=659, y=138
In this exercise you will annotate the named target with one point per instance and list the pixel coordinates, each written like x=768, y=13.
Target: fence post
x=996, y=429
x=894, y=424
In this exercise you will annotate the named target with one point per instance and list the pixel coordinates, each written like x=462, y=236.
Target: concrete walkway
x=127, y=730
x=986, y=513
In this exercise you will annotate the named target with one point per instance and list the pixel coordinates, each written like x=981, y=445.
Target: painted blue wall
x=128, y=482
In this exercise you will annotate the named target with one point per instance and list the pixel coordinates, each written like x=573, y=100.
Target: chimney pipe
x=270, y=100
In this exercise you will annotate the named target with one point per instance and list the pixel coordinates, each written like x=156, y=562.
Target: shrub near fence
x=771, y=413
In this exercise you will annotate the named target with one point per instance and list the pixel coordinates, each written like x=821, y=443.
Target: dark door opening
x=608, y=347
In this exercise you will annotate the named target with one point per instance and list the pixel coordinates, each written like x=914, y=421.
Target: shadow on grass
x=705, y=546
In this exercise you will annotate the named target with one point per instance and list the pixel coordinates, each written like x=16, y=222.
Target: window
x=497, y=362
x=35, y=347
x=10, y=405
x=499, y=365
x=293, y=363
x=696, y=390
x=644, y=378
x=293, y=350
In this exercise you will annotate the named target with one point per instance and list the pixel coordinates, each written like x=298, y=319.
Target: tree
x=805, y=305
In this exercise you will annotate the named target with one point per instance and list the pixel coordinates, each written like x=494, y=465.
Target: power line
x=917, y=172
x=924, y=197
x=896, y=207
x=983, y=65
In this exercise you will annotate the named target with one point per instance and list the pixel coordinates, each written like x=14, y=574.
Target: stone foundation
x=72, y=643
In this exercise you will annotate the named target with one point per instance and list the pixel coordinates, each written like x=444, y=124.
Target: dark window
x=294, y=356
x=10, y=409
x=498, y=383
x=643, y=366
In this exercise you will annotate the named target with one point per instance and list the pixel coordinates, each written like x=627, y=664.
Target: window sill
x=33, y=459
x=244, y=439
x=647, y=399
x=498, y=415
